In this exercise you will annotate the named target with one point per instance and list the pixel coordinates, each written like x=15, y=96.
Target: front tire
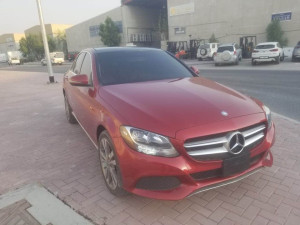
x=253, y=63
x=70, y=117
x=109, y=165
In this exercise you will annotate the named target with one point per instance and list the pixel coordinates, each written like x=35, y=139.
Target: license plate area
x=264, y=57
x=236, y=164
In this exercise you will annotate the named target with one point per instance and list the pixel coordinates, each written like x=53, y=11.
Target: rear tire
x=253, y=63
x=70, y=117
x=282, y=58
x=277, y=60
x=109, y=165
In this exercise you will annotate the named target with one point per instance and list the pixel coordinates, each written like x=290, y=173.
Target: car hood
x=168, y=106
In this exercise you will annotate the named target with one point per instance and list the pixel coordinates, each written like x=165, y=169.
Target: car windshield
x=130, y=66
x=225, y=48
x=265, y=46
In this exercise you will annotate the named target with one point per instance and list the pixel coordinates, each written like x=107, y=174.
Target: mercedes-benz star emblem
x=236, y=143
x=224, y=113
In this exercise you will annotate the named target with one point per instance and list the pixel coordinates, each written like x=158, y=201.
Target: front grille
x=214, y=147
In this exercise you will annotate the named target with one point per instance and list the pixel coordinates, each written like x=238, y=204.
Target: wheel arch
x=100, y=129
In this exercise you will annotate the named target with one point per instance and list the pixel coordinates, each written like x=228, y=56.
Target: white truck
x=55, y=58
x=14, y=57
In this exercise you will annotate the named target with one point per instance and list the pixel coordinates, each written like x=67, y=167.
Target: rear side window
x=265, y=46
x=77, y=66
x=86, y=67
x=204, y=46
x=225, y=48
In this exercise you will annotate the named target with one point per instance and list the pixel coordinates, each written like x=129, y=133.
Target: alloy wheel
x=108, y=164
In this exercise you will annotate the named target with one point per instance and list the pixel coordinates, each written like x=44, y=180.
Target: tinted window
x=77, y=66
x=204, y=46
x=129, y=66
x=225, y=48
x=86, y=67
x=265, y=46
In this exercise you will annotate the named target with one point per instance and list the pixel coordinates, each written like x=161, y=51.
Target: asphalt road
x=279, y=90
x=277, y=86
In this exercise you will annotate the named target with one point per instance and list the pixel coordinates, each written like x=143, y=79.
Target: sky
x=19, y=15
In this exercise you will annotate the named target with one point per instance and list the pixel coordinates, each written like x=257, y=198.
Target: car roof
x=120, y=49
x=268, y=43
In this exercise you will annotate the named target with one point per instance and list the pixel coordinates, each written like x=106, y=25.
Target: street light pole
x=45, y=41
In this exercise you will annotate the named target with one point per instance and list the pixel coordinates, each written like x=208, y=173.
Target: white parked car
x=267, y=52
x=207, y=51
x=55, y=58
x=228, y=54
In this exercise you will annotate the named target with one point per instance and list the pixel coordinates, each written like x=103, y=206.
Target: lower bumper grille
x=219, y=172
x=158, y=183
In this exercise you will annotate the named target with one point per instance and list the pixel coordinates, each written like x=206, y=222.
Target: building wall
x=10, y=42
x=135, y=20
x=51, y=29
x=78, y=36
x=231, y=19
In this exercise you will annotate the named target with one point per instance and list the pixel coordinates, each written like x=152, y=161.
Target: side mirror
x=195, y=70
x=79, y=80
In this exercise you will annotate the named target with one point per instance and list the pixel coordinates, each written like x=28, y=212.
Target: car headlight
x=147, y=142
x=268, y=115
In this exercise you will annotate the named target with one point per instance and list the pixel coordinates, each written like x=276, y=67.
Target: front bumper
x=136, y=166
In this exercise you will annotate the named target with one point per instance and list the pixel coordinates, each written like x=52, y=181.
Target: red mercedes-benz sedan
x=162, y=131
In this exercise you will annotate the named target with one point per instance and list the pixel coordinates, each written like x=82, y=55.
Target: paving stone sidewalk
x=37, y=145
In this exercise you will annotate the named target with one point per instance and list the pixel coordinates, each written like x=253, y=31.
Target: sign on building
x=182, y=9
x=282, y=16
x=179, y=30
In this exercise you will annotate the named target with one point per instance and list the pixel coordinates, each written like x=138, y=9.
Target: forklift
x=247, y=44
